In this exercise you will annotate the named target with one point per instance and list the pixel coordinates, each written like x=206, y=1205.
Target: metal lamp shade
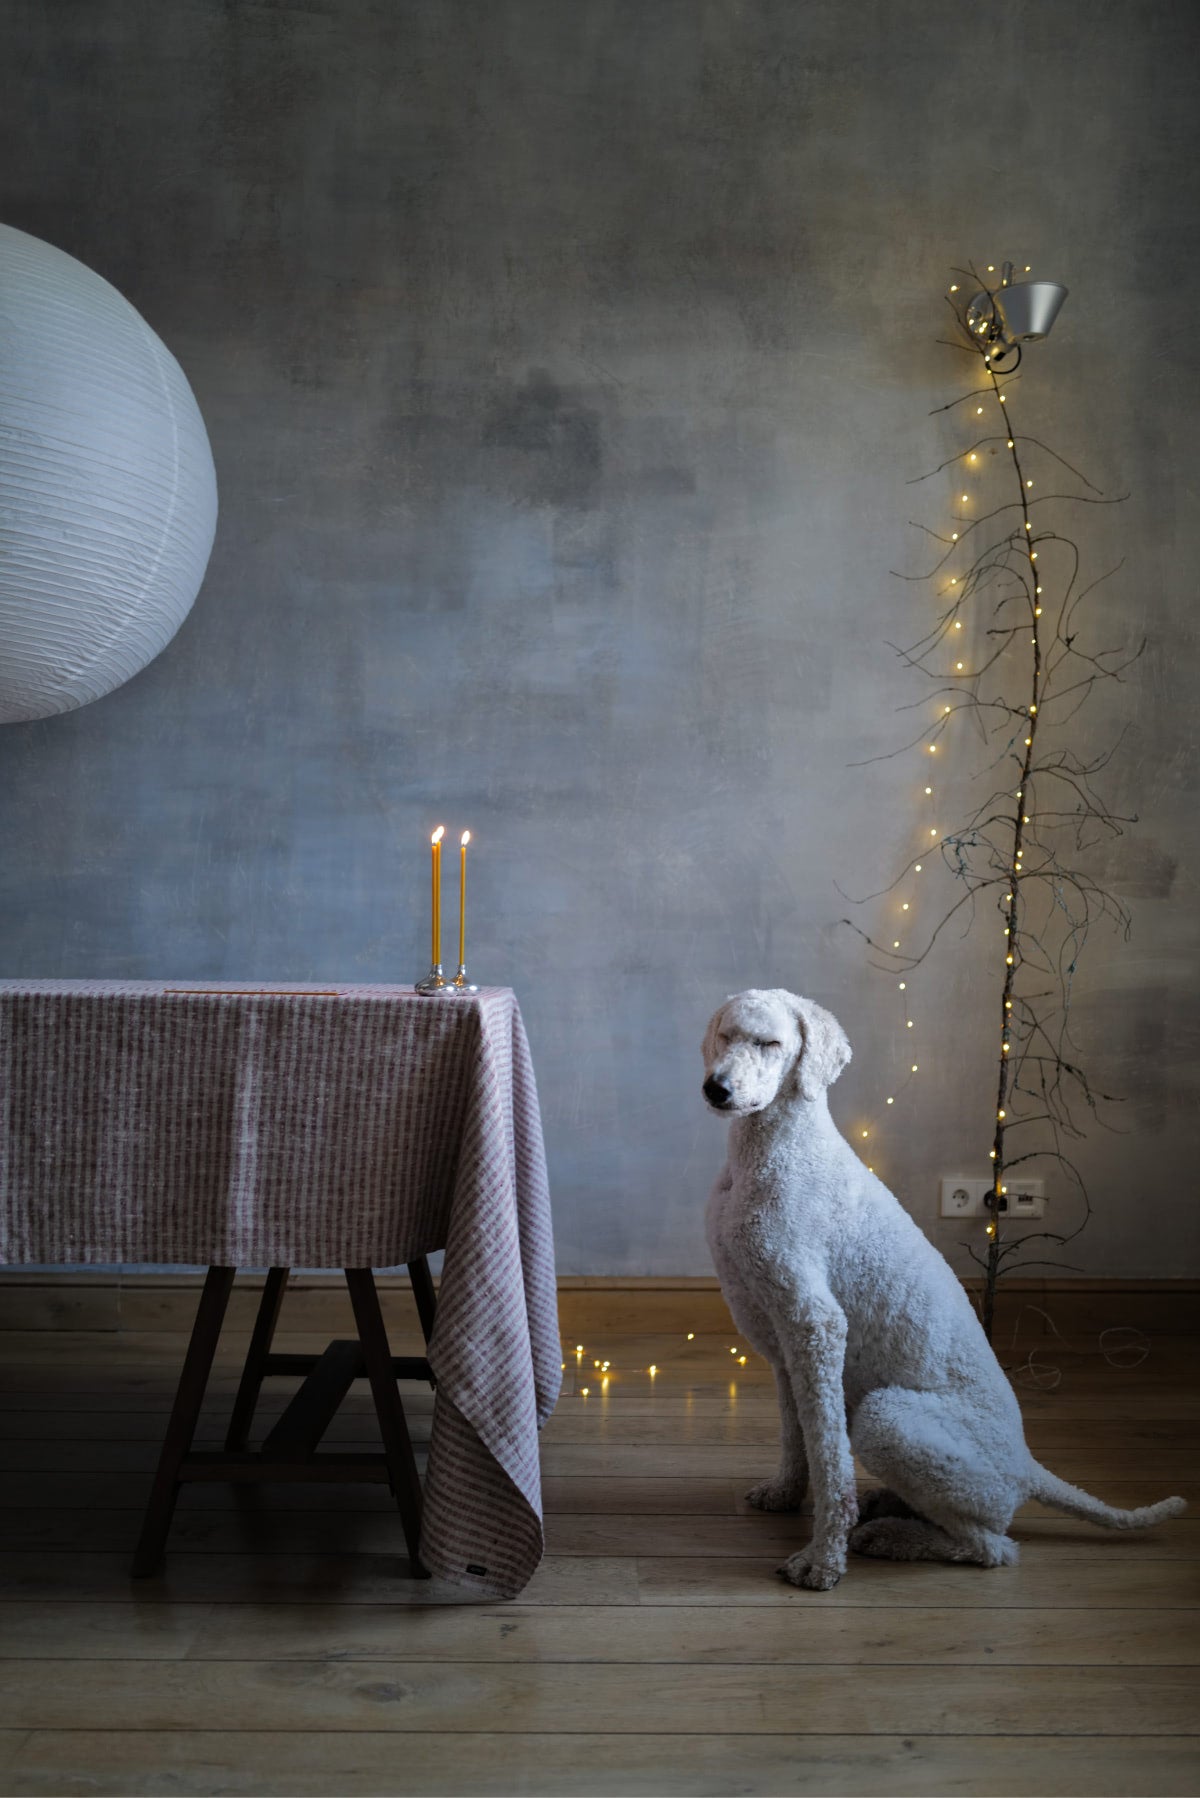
x=1029, y=308
x=108, y=497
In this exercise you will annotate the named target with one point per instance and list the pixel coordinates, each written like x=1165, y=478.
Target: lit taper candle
x=435, y=980
x=462, y=898
x=460, y=985
x=436, y=846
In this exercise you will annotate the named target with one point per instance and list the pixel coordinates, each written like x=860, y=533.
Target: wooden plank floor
x=283, y=1650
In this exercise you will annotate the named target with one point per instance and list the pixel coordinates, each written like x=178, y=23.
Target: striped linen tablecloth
x=341, y=1126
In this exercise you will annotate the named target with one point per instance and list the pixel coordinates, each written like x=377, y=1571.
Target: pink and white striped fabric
x=341, y=1126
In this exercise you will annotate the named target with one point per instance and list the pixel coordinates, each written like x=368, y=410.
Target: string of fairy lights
x=604, y=1368
x=956, y=584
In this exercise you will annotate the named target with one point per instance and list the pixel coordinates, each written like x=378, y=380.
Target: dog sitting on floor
x=875, y=1347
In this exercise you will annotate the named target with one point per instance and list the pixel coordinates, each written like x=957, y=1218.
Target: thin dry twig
x=1025, y=839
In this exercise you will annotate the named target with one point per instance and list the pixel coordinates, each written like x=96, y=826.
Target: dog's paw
x=814, y=1575
x=777, y=1495
x=879, y=1538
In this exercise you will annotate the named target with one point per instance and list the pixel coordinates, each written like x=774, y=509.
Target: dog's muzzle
x=717, y=1093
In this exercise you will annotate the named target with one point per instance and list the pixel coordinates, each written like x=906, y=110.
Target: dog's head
x=766, y=1042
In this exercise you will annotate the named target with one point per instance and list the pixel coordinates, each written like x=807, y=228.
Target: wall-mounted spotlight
x=1017, y=312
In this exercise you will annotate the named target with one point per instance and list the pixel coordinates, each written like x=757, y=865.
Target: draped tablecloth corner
x=260, y=1125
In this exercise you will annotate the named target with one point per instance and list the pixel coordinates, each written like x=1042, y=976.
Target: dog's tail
x=1077, y=1503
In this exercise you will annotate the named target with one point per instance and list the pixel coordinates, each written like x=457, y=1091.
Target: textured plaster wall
x=565, y=362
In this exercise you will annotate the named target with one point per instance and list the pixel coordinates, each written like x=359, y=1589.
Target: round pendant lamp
x=108, y=496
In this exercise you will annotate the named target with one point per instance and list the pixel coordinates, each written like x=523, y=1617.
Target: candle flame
x=438, y=834
x=466, y=838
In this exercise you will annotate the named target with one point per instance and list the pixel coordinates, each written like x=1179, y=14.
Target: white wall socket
x=963, y=1197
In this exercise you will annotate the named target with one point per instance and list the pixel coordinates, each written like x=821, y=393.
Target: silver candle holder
x=436, y=986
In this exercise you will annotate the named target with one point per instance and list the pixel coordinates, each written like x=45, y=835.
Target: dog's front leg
x=816, y=1353
x=786, y=1492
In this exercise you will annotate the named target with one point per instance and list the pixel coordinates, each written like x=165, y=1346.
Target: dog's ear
x=709, y=1046
x=825, y=1050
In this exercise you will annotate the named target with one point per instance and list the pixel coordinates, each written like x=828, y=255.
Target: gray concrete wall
x=565, y=362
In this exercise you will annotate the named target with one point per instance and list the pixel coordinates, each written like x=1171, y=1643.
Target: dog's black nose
x=716, y=1092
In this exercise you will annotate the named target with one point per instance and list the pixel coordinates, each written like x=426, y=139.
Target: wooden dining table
x=276, y=1126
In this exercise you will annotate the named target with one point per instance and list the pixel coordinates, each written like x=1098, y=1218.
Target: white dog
x=874, y=1344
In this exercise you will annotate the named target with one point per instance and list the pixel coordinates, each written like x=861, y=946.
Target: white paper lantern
x=108, y=497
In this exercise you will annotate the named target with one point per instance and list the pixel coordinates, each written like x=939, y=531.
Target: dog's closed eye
x=760, y=1043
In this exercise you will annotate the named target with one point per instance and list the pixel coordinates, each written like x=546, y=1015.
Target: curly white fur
x=874, y=1344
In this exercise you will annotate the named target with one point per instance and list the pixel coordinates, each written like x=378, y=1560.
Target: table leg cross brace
x=288, y=1452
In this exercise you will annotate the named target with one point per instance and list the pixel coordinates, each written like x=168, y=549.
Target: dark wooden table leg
x=422, y=1285
x=189, y=1396
x=256, y=1358
x=397, y=1444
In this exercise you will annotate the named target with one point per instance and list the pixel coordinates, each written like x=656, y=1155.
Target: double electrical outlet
x=969, y=1198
